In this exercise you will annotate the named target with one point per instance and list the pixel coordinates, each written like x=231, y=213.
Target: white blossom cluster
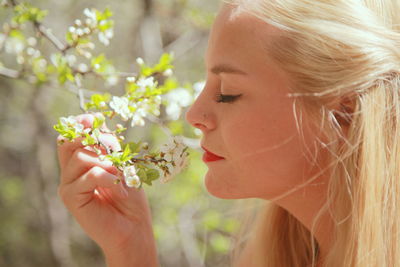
x=131, y=177
x=177, y=99
x=91, y=21
x=72, y=122
x=21, y=47
x=145, y=83
x=176, y=156
x=135, y=111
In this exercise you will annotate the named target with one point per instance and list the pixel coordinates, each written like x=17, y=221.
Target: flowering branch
x=145, y=91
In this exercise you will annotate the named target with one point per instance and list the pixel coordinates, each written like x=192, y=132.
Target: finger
x=88, y=119
x=66, y=149
x=80, y=162
x=83, y=189
x=110, y=141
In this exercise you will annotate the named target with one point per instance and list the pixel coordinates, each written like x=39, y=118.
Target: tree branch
x=51, y=37
x=9, y=73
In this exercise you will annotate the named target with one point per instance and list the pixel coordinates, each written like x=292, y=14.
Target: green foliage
x=15, y=33
x=103, y=19
x=164, y=63
x=98, y=101
x=220, y=243
x=26, y=12
x=66, y=130
x=102, y=65
x=61, y=67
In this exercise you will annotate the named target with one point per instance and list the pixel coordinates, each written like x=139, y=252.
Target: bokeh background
x=192, y=228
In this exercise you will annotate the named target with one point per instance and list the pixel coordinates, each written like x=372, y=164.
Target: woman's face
x=255, y=132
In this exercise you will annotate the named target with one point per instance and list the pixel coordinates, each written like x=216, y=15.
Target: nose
x=201, y=114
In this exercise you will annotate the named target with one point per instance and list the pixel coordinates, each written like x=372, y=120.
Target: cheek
x=266, y=155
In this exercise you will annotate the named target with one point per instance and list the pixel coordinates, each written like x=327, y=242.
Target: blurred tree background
x=191, y=227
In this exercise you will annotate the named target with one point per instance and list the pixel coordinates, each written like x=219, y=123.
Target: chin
x=220, y=188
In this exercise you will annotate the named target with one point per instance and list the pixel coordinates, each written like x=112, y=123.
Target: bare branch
x=51, y=37
x=9, y=73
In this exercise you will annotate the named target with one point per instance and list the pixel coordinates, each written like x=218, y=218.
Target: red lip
x=208, y=156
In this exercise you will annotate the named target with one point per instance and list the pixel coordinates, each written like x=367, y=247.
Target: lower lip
x=208, y=157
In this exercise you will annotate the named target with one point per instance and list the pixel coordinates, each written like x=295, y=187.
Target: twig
x=9, y=73
x=126, y=74
x=51, y=37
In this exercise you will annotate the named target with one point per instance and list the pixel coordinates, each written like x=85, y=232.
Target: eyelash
x=227, y=98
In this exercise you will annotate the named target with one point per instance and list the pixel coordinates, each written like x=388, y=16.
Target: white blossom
x=131, y=79
x=139, y=61
x=146, y=82
x=175, y=153
x=173, y=111
x=91, y=23
x=14, y=46
x=168, y=72
x=198, y=87
x=177, y=99
x=71, y=59
x=86, y=30
x=30, y=51
x=131, y=177
x=72, y=122
x=112, y=80
x=104, y=37
x=87, y=54
x=137, y=120
x=72, y=29
x=90, y=13
x=121, y=106
x=79, y=32
x=82, y=67
x=78, y=22
x=31, y=41
x=198, y=132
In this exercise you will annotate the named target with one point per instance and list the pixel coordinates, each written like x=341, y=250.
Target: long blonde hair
x=348, y=52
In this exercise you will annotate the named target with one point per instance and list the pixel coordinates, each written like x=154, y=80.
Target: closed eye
x=227, y=98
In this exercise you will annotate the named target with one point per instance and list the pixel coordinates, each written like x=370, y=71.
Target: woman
x=302, y=108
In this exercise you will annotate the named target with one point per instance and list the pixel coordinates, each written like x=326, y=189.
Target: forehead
x=238, y=36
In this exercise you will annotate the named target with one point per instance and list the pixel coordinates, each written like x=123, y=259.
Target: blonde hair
x=347, y=52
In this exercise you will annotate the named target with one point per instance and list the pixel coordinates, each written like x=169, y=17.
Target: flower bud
x=139, y=61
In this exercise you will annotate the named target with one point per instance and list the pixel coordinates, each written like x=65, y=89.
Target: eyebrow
x=225, y=68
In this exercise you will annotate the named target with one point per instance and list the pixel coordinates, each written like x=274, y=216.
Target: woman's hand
x=116, y=217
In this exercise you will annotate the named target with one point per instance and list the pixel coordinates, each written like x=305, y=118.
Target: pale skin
x=264, y=155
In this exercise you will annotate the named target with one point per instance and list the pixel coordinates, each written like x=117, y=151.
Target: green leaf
x=26, y=12
x=135, y=147
x=98, y=122
x=152, y=174
x=142, y=174
x=89, y=140
x=126, y=154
